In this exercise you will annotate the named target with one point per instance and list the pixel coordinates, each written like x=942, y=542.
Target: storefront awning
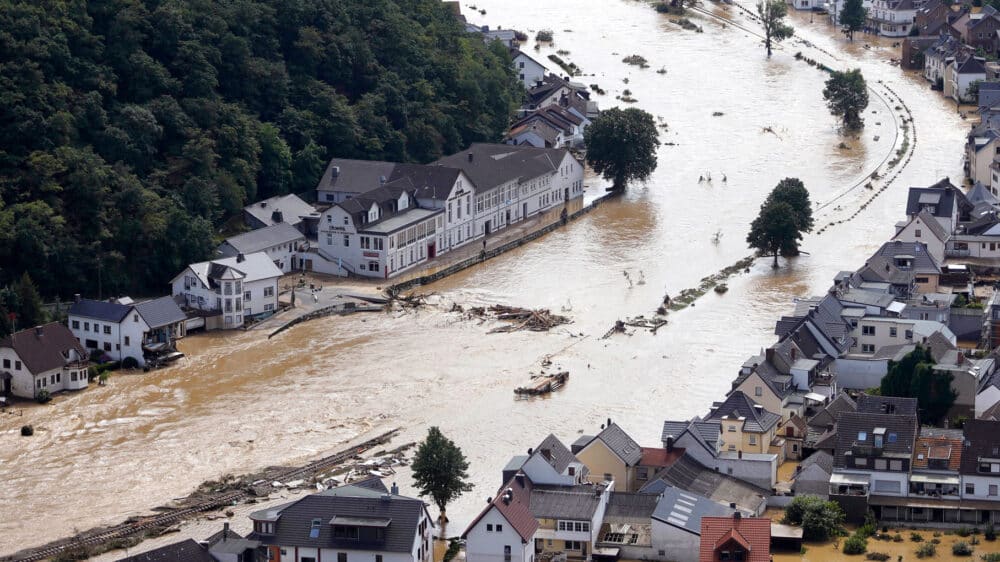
x=855, y=479
x=934, y=479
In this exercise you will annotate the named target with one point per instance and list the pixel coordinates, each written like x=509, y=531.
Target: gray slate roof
x=496, y=164
x=621, y=444
x=684, y=510
x=705, y=432
x=737, y=404
x=564, y=502
x=264, y=238
x=868, y=404
x=943, y=196
x=690, y=475
x=631, y=504
x=183, y=551
x=558, y=455
x=294, y=520
x=821, y=458
x=160, y=312
x=354, y=176
x=100, y=310
x=851, y=425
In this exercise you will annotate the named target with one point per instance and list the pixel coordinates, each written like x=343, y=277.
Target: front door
x=486, y=228
x=566, y=194
x=507, y=217
x=524, y=211
x=431, y=251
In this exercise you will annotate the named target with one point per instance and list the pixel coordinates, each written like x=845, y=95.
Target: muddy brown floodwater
x=240, y=401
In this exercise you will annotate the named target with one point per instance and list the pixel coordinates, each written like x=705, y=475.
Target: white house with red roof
x=505, y=530
x=735, y=538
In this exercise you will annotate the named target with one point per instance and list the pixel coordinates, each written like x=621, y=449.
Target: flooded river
x=240, y=401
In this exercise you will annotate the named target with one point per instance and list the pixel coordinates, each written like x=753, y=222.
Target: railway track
x=124, y=530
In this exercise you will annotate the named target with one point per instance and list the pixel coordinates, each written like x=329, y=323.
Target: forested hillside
x=130, y=130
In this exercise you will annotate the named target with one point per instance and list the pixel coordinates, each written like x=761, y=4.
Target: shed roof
x=685, y=510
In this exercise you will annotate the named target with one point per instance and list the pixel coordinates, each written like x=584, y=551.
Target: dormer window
x=346, y=533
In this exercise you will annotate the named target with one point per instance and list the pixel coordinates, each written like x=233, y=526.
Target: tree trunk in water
x=767, y=43
x=775, y=264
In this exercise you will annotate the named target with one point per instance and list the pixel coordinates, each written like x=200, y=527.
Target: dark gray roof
x=621, y=444
x=47, y=351
x=160, y=312
x=354, y=176
x=294, y=520
x=558, y=455
x=684, y=510
x=868, y=404
x=184, y=551
x=264, y=238
x=565, y=502
x=631, y=504
x=851, y=426
x=737, y=404
x=429, y=182
x=821, y=458
x=869, y=298
x=495, y=164
x=690, y=475
x=923, y=262
x=982, y=440
x=947, y=196
x=99, y=310
x=706, y=432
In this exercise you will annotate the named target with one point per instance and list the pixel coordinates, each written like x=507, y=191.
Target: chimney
x=263, y=204
x=489, y=500
x=769, y=354
x=76, y=297
x=225, y=531
x=240, y=258
x=394, y=490
x=470, y=157
x=794, y=353
x=277, y=216
x=737, y=516
x=670, y=443
x=38, y=331
x=609, y=422
x=519, y=478
x=530, y=451
x=335, y=171
x=381, y=180
x=732, y=505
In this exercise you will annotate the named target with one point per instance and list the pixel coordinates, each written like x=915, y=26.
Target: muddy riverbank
x=239, y=401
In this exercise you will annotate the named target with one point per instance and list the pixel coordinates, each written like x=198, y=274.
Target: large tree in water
x=440, y=470
x=621, y=145
x=772, y=16
x=846, y=95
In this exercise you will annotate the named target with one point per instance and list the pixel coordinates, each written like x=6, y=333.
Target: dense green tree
x=131, y=131
x=29, y=303
x=852, y=17
x=820, y=519
x=621, y=145
x=846, y=95
x=793, y=192
x=914, y=376
x=777, y=229
x=772, y=16
x=440, y=469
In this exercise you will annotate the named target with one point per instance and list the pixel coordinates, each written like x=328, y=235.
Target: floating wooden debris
x=543, y=384
x=651, y=324
x=540, y=320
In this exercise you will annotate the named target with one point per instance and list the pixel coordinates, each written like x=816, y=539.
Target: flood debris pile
x=543, y=384
x=540, y=320
x=638, y=322
x=636, y=60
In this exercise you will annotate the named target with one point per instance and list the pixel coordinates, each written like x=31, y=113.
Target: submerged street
x=239, y=401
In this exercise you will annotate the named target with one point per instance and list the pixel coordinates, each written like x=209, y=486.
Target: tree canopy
x=846, y=95
x=440, y=469
x=820, y=519
x=852, y=17
x=914, y=376
x=772, y=16
x=621, y=145
x=783, y=217
x=131, y=130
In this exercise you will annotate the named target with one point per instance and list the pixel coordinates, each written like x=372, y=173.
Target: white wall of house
x=890, y=22
x=528, y=70
x=872, y=334
x=678, y=544
x=26, y=384
x=917, y=231
x=981, y=159
x=976, y=246
x=249, y=299
x=541, y=472
x=759, y=469
x=957, y=84
x=889, y=483
x=981, y=487
x=488, y=546
x=117, y=340
x=294, y=554
x=695, y=449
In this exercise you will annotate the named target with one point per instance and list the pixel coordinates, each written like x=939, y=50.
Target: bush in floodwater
x=130, y=363
x=663, y=8
x=963, y=532
x=916, y=537
x=991, y=557
x=27, y=431
x=880, y=556
x=43, y=396
x=856, y=544
x=990, y=533
x=454, y=545
x=961, y=549
x=544, y=35
x=927, y=550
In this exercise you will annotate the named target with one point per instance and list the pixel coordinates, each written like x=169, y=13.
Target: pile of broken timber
x=543, y=384
x=540, y=320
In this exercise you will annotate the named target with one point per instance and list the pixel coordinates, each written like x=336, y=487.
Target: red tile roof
x=659, y=457
x=516, y=510
x=753, y=533
x=936, y=447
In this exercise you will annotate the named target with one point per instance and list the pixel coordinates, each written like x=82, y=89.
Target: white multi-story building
x=414, y=212
x=45, y=358
x=353, y=523
x=282, y=242
x=121, y=329
x=231, y=289
x=893, y=18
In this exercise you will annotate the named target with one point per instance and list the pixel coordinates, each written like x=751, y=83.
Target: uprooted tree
x=621, y=145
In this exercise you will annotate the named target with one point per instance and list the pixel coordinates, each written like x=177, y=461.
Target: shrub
x=916, y=537
x=544, y=35
x=27, y=430
x=974, y=540
x=43, y=396
x=963, y=531
x=990, y=533
x=897, y=538
x=991, y=557
x=856, y=544
x=130, y=363
x=961, y=548
x=663, y=8
x=454, y=545
x=820, y=519
x=926, y=550
x=935, y=541
x=880, y=556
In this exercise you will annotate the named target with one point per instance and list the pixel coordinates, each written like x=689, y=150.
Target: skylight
x=314, y=531
x=862, y=436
